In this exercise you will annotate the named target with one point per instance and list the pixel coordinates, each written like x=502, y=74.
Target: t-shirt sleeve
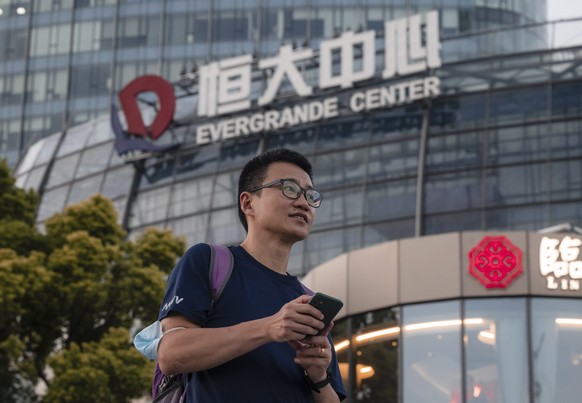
x=188, y=286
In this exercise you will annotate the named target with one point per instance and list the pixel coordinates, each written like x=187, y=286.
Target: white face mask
x=148, y=339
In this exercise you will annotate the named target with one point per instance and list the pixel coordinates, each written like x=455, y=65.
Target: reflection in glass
x=557, y=350
x=149, y=207
x=225, y=227
x=375, y=345
x=190, y=197
x=342, y=168
x=496, y=352
x=431, y=352
x=62, y=171
x=341, y=207
x=225, y=190
x=324, y=246
x=83, y=189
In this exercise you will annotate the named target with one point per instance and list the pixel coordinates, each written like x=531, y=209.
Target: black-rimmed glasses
x=291, y=189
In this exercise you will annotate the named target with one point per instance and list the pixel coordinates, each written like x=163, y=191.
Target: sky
x=567, y=34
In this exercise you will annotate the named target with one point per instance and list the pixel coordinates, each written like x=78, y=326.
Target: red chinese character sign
x=495, y=262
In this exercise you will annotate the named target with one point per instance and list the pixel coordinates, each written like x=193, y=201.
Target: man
x=259, y=343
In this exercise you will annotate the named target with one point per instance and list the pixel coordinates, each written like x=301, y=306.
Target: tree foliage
x=69, y=297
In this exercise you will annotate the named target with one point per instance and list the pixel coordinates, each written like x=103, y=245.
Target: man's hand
x=295, y=321
x=314, y=355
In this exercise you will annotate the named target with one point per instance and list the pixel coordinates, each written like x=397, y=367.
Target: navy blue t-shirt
x=266, y=374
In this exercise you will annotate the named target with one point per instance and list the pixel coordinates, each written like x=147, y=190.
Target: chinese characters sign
x=560, y=263
x=226, y=86
x=495, y=262
x=230, y=87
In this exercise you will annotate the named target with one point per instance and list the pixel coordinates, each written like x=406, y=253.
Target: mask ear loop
x=172, y=329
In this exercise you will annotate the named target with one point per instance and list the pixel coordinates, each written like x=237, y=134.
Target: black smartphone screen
x=328, y=305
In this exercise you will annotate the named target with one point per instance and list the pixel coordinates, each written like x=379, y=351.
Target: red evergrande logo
x=495, y=262
x=167, y=105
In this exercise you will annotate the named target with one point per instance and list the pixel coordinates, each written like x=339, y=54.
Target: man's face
x=288, y=218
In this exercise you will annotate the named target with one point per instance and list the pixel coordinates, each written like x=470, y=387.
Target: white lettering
x=548, y=255
x=551, y=283
x=257, y=123
x=569, y=248
x=269, y=120
x=202, y=135
x=432, y=87
x=225, y=86
x=397, y=94
x=315, y=110
x=287, y=118
x=175, y=299
x=284, y=65
x=242, y=125
x=557, y=260
x=403, y=48
x=387, y=96
x=301, y=113
x=345, y=45
x=357, y=102
x=330, y=109
x=575, y=269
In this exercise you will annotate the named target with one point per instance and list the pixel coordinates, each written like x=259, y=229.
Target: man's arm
x=197, y=349
x=314, y=355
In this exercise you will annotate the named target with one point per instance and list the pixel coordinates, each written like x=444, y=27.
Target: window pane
x=324, y=246
x=431, y=353
x=63, y=170
x=193, y=228
x=340, y=207
x=225, y=227
x=83, y=189
x=343, y=168
x=557, y=349
x=496, y=355
x=94, y=160
x=149, y=207
x=118, y=182
x=375, y=348
x=388, y=200
x=190, y=197
x=225, y=190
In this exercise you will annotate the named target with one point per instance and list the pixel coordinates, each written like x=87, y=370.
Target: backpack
x=172, y=388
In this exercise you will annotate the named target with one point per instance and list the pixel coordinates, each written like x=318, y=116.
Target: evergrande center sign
x=226, y=91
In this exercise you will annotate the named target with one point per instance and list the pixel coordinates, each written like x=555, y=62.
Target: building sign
x=227, y=91
x=132, y=148
x=495, y=262
x=560, y=263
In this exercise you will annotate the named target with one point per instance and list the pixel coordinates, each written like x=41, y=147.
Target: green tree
x=69, y=297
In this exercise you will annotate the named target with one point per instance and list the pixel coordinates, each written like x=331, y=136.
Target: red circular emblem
x=495, y=262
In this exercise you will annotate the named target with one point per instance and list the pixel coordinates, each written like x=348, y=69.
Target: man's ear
x=246, y=203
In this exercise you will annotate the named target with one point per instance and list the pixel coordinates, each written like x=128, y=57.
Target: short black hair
x=255, y=171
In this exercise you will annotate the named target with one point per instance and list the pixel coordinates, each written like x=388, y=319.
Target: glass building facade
x=499, y=149
x=62, y=61
x=418, y=327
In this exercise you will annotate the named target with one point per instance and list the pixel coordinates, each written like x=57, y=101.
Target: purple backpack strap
x=307, y=290
x=221, y=264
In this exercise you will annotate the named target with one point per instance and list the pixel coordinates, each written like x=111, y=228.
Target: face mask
x=148, y=339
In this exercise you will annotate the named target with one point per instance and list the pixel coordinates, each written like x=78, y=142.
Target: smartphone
x=328, y=305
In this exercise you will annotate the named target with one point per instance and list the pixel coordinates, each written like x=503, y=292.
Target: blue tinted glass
x=496, y=357
x=431, y=352
x=556, y=349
